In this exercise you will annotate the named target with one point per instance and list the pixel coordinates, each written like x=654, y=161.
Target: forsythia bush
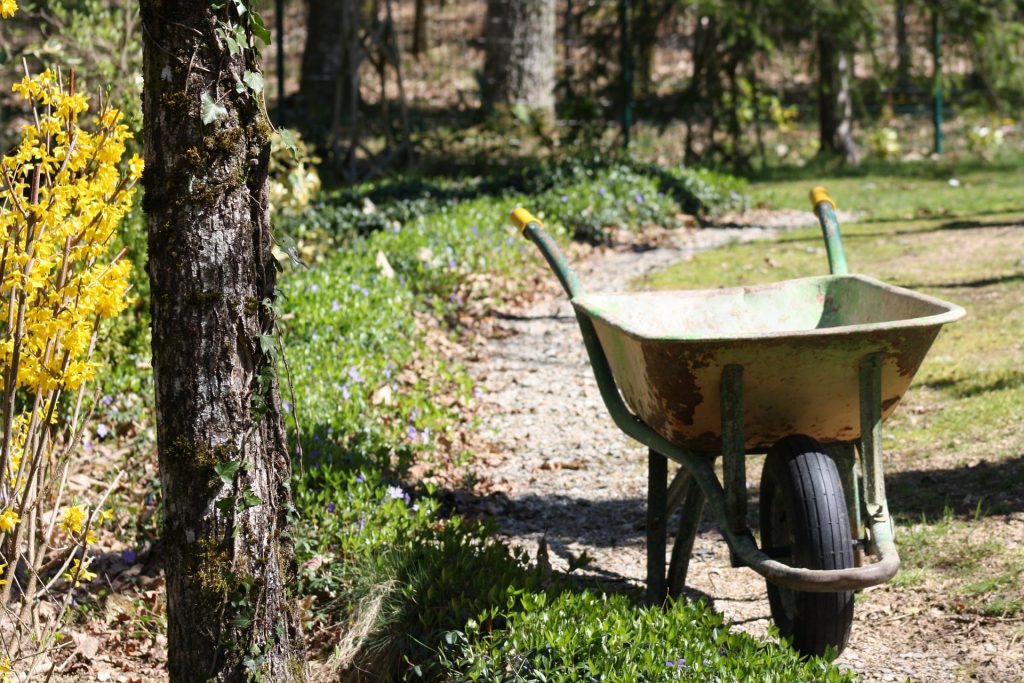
x=62, y=195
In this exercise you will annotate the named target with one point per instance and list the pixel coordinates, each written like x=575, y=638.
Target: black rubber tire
x=803, y=510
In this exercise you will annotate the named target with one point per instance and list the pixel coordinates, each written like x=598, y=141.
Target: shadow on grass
x=1010, y=222
x=969, y=387
x=984, y=489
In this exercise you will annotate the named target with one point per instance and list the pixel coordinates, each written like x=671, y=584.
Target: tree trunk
x=224, y=464
x=835, y=103
x=520, y=65
x=327, y=84
x=421, y=27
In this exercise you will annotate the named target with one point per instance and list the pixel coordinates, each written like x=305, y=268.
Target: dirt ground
x=554, y=466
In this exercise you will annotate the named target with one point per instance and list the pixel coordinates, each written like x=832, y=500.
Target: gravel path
x=564, y=472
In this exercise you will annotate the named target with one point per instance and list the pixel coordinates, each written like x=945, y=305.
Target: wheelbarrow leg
x=845, y=457
x=657, y=514
x=734, y=458
x=871, y=440
x=689, y=521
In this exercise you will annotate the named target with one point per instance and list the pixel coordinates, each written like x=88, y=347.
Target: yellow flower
x=74, y=519
x=7, y=9
x=80, y=570
x=135, y=167
x=106, y=515
x=5, y=669
x=8, y=520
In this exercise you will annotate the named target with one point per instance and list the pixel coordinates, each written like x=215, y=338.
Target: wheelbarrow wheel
x=804, y=523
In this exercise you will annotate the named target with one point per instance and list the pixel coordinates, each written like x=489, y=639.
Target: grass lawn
x=954, y=448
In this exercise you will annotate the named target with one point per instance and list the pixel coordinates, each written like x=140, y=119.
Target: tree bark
x=835, y=102
x=519, y=68
x=224, y=464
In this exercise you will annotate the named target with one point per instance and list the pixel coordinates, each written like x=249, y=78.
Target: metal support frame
x=734, y=458
x=845, y=457
x=689, y=523
x=882, y=532
x=657, y=518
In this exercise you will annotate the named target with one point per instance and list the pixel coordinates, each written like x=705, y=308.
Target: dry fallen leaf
x=383, y=395
x=385, y=266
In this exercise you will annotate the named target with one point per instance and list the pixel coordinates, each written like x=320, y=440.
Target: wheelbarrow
x=804, y=371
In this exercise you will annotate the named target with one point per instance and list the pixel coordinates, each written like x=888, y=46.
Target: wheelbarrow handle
x=825, y=209
x=533, y=230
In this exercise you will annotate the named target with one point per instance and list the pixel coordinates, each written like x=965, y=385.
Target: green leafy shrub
x=394, y=571
x=582, y=198
x=586, y=637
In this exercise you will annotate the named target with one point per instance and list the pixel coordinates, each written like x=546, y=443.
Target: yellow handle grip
x=521, y=218
x=818, y=195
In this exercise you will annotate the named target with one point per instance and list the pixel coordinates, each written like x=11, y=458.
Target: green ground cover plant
x=953, y=446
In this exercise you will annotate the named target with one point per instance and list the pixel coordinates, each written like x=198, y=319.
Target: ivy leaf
x=227, y=470
x=254, y=80
x=268, y=344
x=288, y=246
x=259, y=29
x=226, y=505
x=250, y=500
x=210, y=110
x=288, y=140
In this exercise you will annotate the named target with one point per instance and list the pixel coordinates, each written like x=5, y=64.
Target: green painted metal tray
x=800, y=343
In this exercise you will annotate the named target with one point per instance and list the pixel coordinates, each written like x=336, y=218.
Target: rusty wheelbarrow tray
x=805, y=370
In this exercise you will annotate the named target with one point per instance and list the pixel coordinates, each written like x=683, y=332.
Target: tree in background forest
x=224, y=462
x=519, y=68
x=838, y=27
x=329, y=82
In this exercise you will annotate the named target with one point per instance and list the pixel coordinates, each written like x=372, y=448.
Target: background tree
x=838, y=29
x=224, y=464
x=329, y=82
x=520, y=65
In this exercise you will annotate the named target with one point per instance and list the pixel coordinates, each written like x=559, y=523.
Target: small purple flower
x=565, y=199
x=353, y=286
x=314, y=288
x=415, y=414
x=452, y=264
x=346, y=394
x=102, y=430
x=335, y=306
x=401, y=280
x=129, y=556
x=478, y=394
x=639, y=198
x=360, y=478
x=426, y=436
x=387, y=371
x=396, y=493
x=287, y=405
x=602, y=191
x=455, y=299
x=353, y=374
x=475, y=230
x=330, y=507
x=411, y=433
x=364, y=291
x=107, y=400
